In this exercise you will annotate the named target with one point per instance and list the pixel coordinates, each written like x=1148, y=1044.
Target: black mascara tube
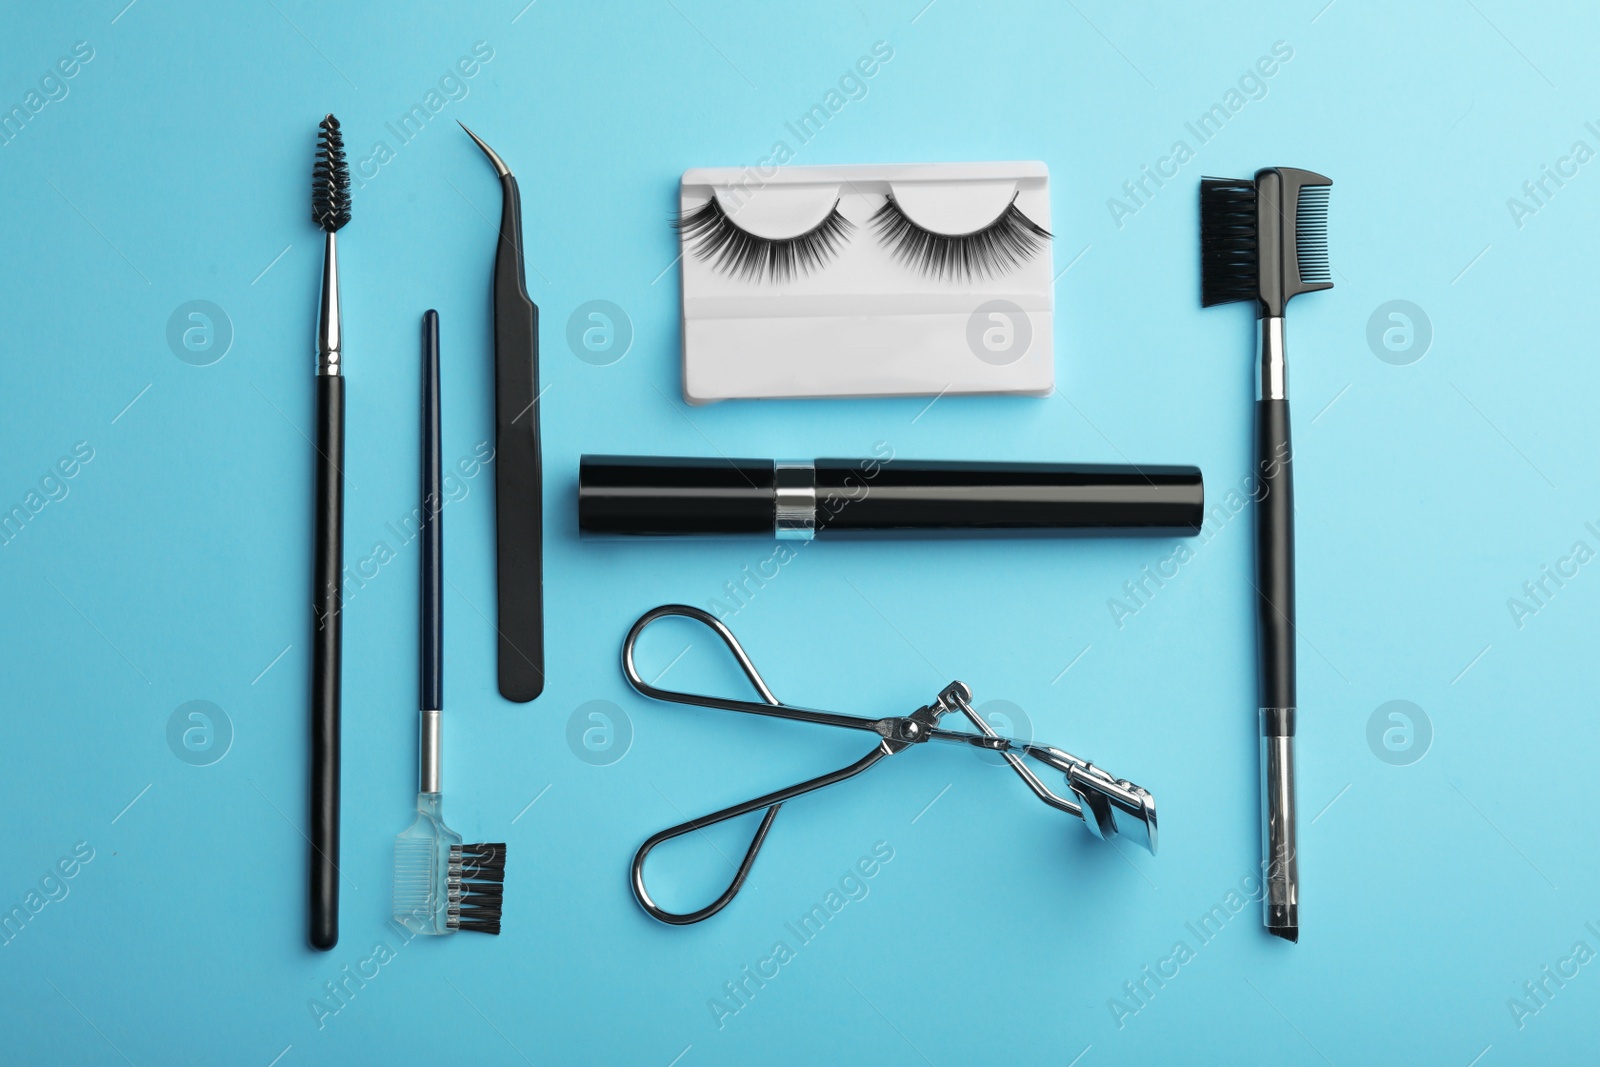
x=647, y=496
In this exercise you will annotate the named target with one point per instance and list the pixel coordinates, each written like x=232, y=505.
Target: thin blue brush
x=440, y=884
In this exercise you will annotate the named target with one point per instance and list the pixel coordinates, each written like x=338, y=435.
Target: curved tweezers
x=771, y=801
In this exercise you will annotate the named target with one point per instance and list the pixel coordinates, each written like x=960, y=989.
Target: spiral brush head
x=330, y=179
x=477, y=886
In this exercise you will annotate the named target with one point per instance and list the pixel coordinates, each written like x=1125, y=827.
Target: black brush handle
x=432, y=532
x=519, y=485
x=1275, y=554
x=1275, y=624
x=325, y=662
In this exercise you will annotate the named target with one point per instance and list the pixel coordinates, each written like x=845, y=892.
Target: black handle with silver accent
x=648, y=496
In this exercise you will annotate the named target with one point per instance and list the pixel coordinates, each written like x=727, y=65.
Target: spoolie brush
x=440, y=884
x=330, y=210
x=1266, y=240
x=330, y=178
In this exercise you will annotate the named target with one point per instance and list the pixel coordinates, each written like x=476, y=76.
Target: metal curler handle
x=768, y=705
x=716, y=627
x=771, y=801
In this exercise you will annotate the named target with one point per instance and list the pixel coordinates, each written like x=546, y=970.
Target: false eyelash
x=732, y=250
x=992, y=250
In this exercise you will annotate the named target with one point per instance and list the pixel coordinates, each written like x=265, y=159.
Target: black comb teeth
x=476, y=884
x=1311, y=234
x=1228, y=253
x=330, y=178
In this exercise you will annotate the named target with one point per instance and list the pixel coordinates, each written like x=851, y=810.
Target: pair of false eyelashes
x=986, y=252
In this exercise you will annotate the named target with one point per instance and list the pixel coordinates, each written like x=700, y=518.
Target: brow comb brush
x=330, y=210
x=1266, y=240
x=518, y=484
x=440, y=885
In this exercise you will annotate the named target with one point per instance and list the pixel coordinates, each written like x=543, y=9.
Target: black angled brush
x=330, y=210
x=1267, y=240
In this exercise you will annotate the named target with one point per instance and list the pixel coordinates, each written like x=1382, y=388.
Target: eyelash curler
x=1106, y=805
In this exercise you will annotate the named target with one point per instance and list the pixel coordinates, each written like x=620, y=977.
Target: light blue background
x=175, y=567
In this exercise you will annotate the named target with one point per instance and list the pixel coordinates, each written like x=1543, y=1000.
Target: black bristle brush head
x=330, y=179
x=477, y=886
x=1227, y=240
x=1264, y=239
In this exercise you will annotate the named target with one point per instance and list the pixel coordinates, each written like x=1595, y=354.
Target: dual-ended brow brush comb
x=330, y=210
x=1267, y=240
x=440, y=884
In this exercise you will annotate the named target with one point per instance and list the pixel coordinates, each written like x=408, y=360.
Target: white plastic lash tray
x=947, y=290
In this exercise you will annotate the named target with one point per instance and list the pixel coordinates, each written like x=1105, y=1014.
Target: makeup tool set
x=828, y=283
x=441, y=884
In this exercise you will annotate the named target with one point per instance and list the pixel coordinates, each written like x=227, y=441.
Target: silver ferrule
x=1272, y=384
x=330, y=334
x=1280, y=871
x=428, y=776
x=795, y=500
